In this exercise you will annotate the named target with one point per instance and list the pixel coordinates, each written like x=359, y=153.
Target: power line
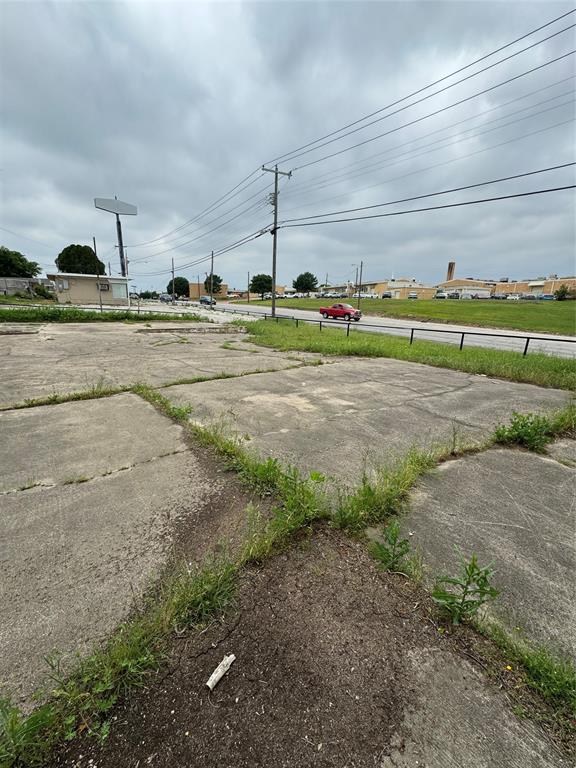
x=435, y=194
x=218, y=252
x=255, y=206
x=436, y=165
x=431, y=208
x=25, y=237
x=417, y=151
x=436, y=112
x=292, y=154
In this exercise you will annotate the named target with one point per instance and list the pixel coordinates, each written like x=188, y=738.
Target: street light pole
x=276, y=173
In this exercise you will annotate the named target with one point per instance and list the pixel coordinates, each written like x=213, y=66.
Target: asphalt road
x=493, y=338
x=565, y=346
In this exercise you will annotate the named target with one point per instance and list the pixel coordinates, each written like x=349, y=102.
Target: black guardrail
x=325, y=323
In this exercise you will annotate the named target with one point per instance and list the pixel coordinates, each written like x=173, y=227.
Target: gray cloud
x=169, y=105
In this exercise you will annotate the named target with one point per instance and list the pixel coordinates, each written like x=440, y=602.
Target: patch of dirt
x=337, y=665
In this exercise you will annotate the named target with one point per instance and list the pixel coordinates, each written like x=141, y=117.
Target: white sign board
x=115, y=206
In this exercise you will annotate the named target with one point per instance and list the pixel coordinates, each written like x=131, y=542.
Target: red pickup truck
x=344, y=311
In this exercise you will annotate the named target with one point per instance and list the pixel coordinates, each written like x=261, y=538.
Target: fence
x=462, y=334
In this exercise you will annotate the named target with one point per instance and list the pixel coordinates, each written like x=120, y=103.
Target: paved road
x=561, y=346
x=502, y=339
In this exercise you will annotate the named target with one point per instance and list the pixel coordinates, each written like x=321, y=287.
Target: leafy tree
x=216, y=283
x=149, y=294
x=305, y=282
x=15, y=264
x=261, y=284
x=181, y=286
x=80, y=259
x=562, y=293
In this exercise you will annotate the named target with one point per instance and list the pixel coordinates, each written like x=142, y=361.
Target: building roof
x=78, y=274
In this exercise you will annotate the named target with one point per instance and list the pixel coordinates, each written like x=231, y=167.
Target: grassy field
x=541, y=316
x=52, y=314
x=544, y=370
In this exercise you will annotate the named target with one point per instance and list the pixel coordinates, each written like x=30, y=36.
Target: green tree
x=216, y=283
x=149, y=294
x=305, y=283
x=181, y=286
x=15, y=264
x=80, y=259
x=562, y=292
x=261, y=284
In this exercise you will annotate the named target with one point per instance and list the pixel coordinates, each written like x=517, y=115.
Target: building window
x=118, y=291
x=104, y=286
x=62, y=285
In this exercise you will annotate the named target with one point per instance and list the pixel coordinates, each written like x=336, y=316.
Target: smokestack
x=451, y=268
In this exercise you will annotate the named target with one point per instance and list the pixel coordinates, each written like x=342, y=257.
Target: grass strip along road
x=540, y=316
x=543, y=370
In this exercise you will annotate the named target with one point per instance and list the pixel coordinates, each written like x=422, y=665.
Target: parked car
x=453, y=294
x=513, y=297
x=207, y=300
x=387, y=295
x=441, y=295
x=499, y=296
x=546, y=297
x=528, y=297
x=412, y=295
x=165, y=297
x=344, y=311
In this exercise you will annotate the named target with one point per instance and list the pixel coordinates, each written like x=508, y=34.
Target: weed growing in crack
x=387, y=495
x=390, y=553
x=534, y=431
x=21, y=737
x=462, y=596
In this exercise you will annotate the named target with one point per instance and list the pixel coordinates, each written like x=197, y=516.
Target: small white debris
x=319, y=746
x=220, y=671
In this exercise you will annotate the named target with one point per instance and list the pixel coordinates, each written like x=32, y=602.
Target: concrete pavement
x=358, y=413
x=516, y=510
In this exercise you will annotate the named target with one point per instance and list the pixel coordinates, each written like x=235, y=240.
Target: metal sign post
x=119, y=209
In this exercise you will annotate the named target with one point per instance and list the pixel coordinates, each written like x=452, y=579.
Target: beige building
x=399, y=288
x=87, y=289
x=537, y=286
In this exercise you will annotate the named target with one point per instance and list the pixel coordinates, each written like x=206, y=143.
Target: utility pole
x=173, y=300
x=356, y=280
x=274, y=201
x=211, y=277
x=360, y=286
x=97, y=272
x=127, y=279
x=198, y=278
x=248, y=293
x=120, y=246
x=109, y=270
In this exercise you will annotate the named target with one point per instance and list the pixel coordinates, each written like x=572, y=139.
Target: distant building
x=74, y=288
x=398, y=288
x=536, y=287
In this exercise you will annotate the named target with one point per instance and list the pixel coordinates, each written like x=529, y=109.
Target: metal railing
x=412, y=330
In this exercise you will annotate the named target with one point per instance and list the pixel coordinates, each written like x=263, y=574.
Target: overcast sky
x=170, y=105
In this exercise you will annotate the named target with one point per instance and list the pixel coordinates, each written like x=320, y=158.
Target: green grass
x=50, y=314
x=20, y=300
x=553, y=677
x=541, y=316
x=537, y=368
x=80, y=702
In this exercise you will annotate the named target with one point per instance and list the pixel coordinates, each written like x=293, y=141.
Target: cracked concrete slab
x=63, y=358
x=62, y=443
x=358, y=413
x=516, y=510
x=74, y=558
x=563, y=451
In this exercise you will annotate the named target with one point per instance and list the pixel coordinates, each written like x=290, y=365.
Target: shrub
x=392, y=551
